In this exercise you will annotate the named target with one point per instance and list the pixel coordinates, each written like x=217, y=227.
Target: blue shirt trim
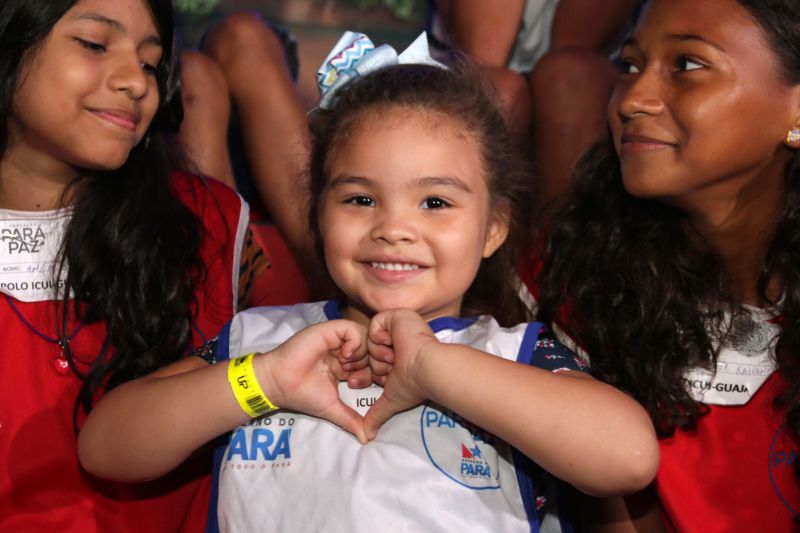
x=332, y=310
x=528, y=344
x=522, y=465
x=449, y=322
x=524, y=470
x=212, y=522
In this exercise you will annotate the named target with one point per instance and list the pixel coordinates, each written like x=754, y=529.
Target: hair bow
x=354, y=55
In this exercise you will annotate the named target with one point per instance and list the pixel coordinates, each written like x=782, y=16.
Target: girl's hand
x=397, y=342
x=303, y=373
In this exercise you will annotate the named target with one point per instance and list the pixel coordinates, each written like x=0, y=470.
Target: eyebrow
x=117, y=26
x=682, y=37
x=446, y=181
x=339, y=181
x=679, y=37
x=427, y=181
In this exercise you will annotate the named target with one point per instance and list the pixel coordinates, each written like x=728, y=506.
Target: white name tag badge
x=29, y=245
x=741, y=369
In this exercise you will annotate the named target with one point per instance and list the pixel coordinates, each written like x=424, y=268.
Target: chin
x=641, y=188
x=386, y=304
x=106, y=162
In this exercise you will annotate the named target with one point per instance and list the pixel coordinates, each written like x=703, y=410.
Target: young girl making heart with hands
x=420, y=207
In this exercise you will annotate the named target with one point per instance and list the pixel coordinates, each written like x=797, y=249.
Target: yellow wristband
x=246, y=388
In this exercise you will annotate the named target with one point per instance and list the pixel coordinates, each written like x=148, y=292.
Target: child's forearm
x=147, y=427
x=583, y=431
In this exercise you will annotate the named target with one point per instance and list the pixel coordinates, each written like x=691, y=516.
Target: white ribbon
x=354, y=55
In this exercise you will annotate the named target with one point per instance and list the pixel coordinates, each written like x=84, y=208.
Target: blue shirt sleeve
x=207, y=351
x=550, y=354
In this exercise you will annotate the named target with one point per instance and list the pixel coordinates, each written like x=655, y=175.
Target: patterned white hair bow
x=354, y=55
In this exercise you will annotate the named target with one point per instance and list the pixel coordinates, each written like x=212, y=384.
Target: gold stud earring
x=793, y=136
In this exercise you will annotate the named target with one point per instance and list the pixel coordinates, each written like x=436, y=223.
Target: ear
x=792, y=139
x=497, y=232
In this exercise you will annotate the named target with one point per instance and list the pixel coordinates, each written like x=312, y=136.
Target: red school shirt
x=734, y=473
x=42, y=487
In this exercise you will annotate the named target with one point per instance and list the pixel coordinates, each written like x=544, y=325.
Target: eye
x=360, y=200
x=629, y=68
x=90, y=45
x=149, y=69
x=434, y=202
x=686, y=63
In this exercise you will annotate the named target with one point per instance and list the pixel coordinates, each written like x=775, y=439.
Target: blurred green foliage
x=196, y=8
x=402, y=8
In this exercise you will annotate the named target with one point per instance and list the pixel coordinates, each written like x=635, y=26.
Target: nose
x=128, y=76
x=394, y=227
x=641, y=96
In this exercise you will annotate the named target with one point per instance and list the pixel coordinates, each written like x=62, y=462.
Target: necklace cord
x=61, y=341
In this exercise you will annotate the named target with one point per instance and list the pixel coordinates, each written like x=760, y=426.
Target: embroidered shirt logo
x=472, y=464
x=460, y=450
x=264, y=442
x=782, y=458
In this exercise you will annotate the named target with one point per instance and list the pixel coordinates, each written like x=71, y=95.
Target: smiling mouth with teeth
x=394, y=266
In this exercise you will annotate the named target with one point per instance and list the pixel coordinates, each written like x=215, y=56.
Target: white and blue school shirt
x=427, y=470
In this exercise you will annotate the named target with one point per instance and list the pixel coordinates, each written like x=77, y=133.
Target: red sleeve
x=224, y=216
